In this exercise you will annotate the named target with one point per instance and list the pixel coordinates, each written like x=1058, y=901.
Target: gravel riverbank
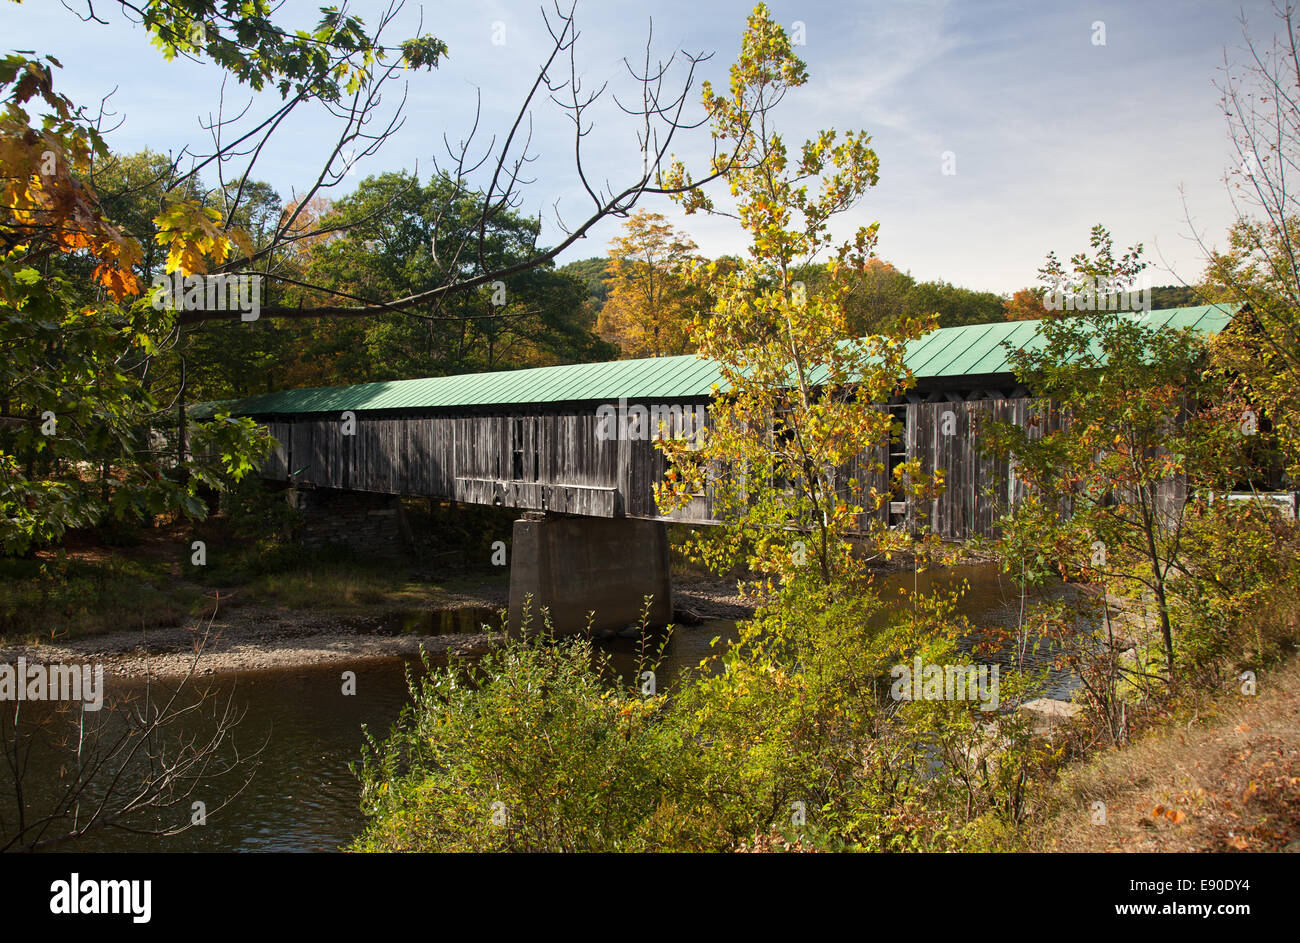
x=254, y=637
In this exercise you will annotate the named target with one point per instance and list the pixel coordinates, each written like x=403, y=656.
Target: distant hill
x=1175, y=296
x=591, y=271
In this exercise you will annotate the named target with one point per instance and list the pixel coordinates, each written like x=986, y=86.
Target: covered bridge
x=554, y=440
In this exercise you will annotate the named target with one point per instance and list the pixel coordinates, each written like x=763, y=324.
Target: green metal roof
x=665, y=377
x=971, y=350
x=984, y=348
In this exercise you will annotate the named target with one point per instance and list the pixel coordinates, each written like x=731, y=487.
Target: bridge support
x=575, y=565
x=361, y=521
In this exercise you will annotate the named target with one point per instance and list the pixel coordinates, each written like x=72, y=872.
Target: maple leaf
x=191, y=234
x=240, y=238
x=119, y=282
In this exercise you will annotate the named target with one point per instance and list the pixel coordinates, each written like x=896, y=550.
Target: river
x=302, y=795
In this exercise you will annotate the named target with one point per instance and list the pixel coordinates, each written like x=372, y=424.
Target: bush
x=255, y=510
x=1236, y=595
x=531, y=749
x=526, y=750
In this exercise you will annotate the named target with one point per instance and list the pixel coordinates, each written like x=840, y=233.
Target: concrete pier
x=573, y=566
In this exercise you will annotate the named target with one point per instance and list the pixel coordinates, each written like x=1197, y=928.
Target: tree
x=1177, y=296
x=1144, y=427
x=1091, y=281
x=595, y=273
x=107, y=366
x=84, y=417
x=80, y=435
x=345, y=69
x=878, y=295
x=1025, y=305
x=1260, y=263
x=951, y=306
x=340, y=66
x=534, y=317
x=650, y=305
x=798, y=404
x=798, y=718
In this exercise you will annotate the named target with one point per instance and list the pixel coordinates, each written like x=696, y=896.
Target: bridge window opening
x=897, y=438
x=517, y=451
x=1265, y=468
x=782, y=438
x=897, y=456
x=524, y=452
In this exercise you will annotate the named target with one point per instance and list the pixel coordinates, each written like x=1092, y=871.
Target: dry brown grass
x=1230, y=783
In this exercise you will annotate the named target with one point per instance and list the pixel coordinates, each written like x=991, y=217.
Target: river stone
x=1049, y=712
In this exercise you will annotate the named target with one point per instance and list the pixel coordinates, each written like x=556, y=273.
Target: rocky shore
x=254, y=637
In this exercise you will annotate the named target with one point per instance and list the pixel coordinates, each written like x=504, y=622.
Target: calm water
x=302, y=796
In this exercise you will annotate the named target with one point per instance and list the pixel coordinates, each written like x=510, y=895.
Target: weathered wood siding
x=555, y=461
x=641, y=465
x=535, y=461
x=978, y=489
x=865, y=480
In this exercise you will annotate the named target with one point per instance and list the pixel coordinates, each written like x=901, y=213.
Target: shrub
x=531, y=749
x=526, y=750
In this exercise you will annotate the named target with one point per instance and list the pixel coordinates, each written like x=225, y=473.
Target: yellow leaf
x=240, y=238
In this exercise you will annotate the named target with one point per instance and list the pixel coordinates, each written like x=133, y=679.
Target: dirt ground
x=1229, y=782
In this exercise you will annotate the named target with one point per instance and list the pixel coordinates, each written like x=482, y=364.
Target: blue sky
x=1050, y=132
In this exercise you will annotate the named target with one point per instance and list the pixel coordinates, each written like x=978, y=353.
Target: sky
x=1048, y=130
